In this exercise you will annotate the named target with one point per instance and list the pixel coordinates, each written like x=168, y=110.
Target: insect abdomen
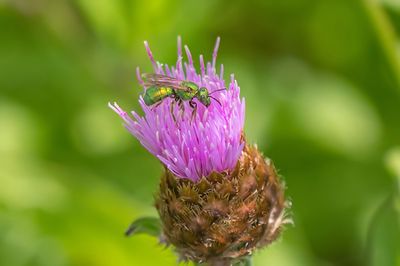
x=156, y=94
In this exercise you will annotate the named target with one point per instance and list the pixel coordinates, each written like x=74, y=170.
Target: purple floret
x=192, y=148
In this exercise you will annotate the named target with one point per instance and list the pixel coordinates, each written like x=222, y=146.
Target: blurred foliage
x=322, y=87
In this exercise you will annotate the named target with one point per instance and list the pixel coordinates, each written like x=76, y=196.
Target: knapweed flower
x=219, y=199
x=192, y=147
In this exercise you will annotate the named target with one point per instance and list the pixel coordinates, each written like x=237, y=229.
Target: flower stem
x=221, y=262
x=247, y=261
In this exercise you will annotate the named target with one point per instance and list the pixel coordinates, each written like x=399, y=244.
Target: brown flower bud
x=224, y=216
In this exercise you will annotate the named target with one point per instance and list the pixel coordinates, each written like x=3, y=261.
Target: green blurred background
x=322, y=87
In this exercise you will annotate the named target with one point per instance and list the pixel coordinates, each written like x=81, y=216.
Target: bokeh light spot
x=97, y=131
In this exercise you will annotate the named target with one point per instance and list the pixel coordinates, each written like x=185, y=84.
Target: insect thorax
x=188, y=91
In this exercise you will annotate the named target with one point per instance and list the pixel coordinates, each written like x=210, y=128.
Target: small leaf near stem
x=246, y=261
x=146, y=225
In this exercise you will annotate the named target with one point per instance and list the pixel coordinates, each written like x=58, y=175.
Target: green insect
x=160, y=87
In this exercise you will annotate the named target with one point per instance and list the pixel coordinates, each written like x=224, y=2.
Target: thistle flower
x=192, y=147
x=219, y=199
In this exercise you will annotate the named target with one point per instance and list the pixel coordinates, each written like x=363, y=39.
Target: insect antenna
x=216, y=91
x=215, y=100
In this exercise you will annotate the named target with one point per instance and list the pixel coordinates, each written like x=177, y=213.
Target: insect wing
x=160, y=81
x=151, y=79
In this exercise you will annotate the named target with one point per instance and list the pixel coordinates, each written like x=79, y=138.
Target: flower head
x=191, y=144
x=219, y=199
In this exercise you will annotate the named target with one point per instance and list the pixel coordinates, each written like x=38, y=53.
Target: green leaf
x=146, y=225
x=246, y=261
x=384, y=235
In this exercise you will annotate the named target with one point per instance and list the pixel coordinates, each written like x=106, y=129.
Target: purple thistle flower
x=236, y=203
x=191, y=148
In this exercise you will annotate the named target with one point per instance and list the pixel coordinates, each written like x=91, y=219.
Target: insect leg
x=181, y=107
x=194, y=107
x=172, y=110
x=155, y=106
